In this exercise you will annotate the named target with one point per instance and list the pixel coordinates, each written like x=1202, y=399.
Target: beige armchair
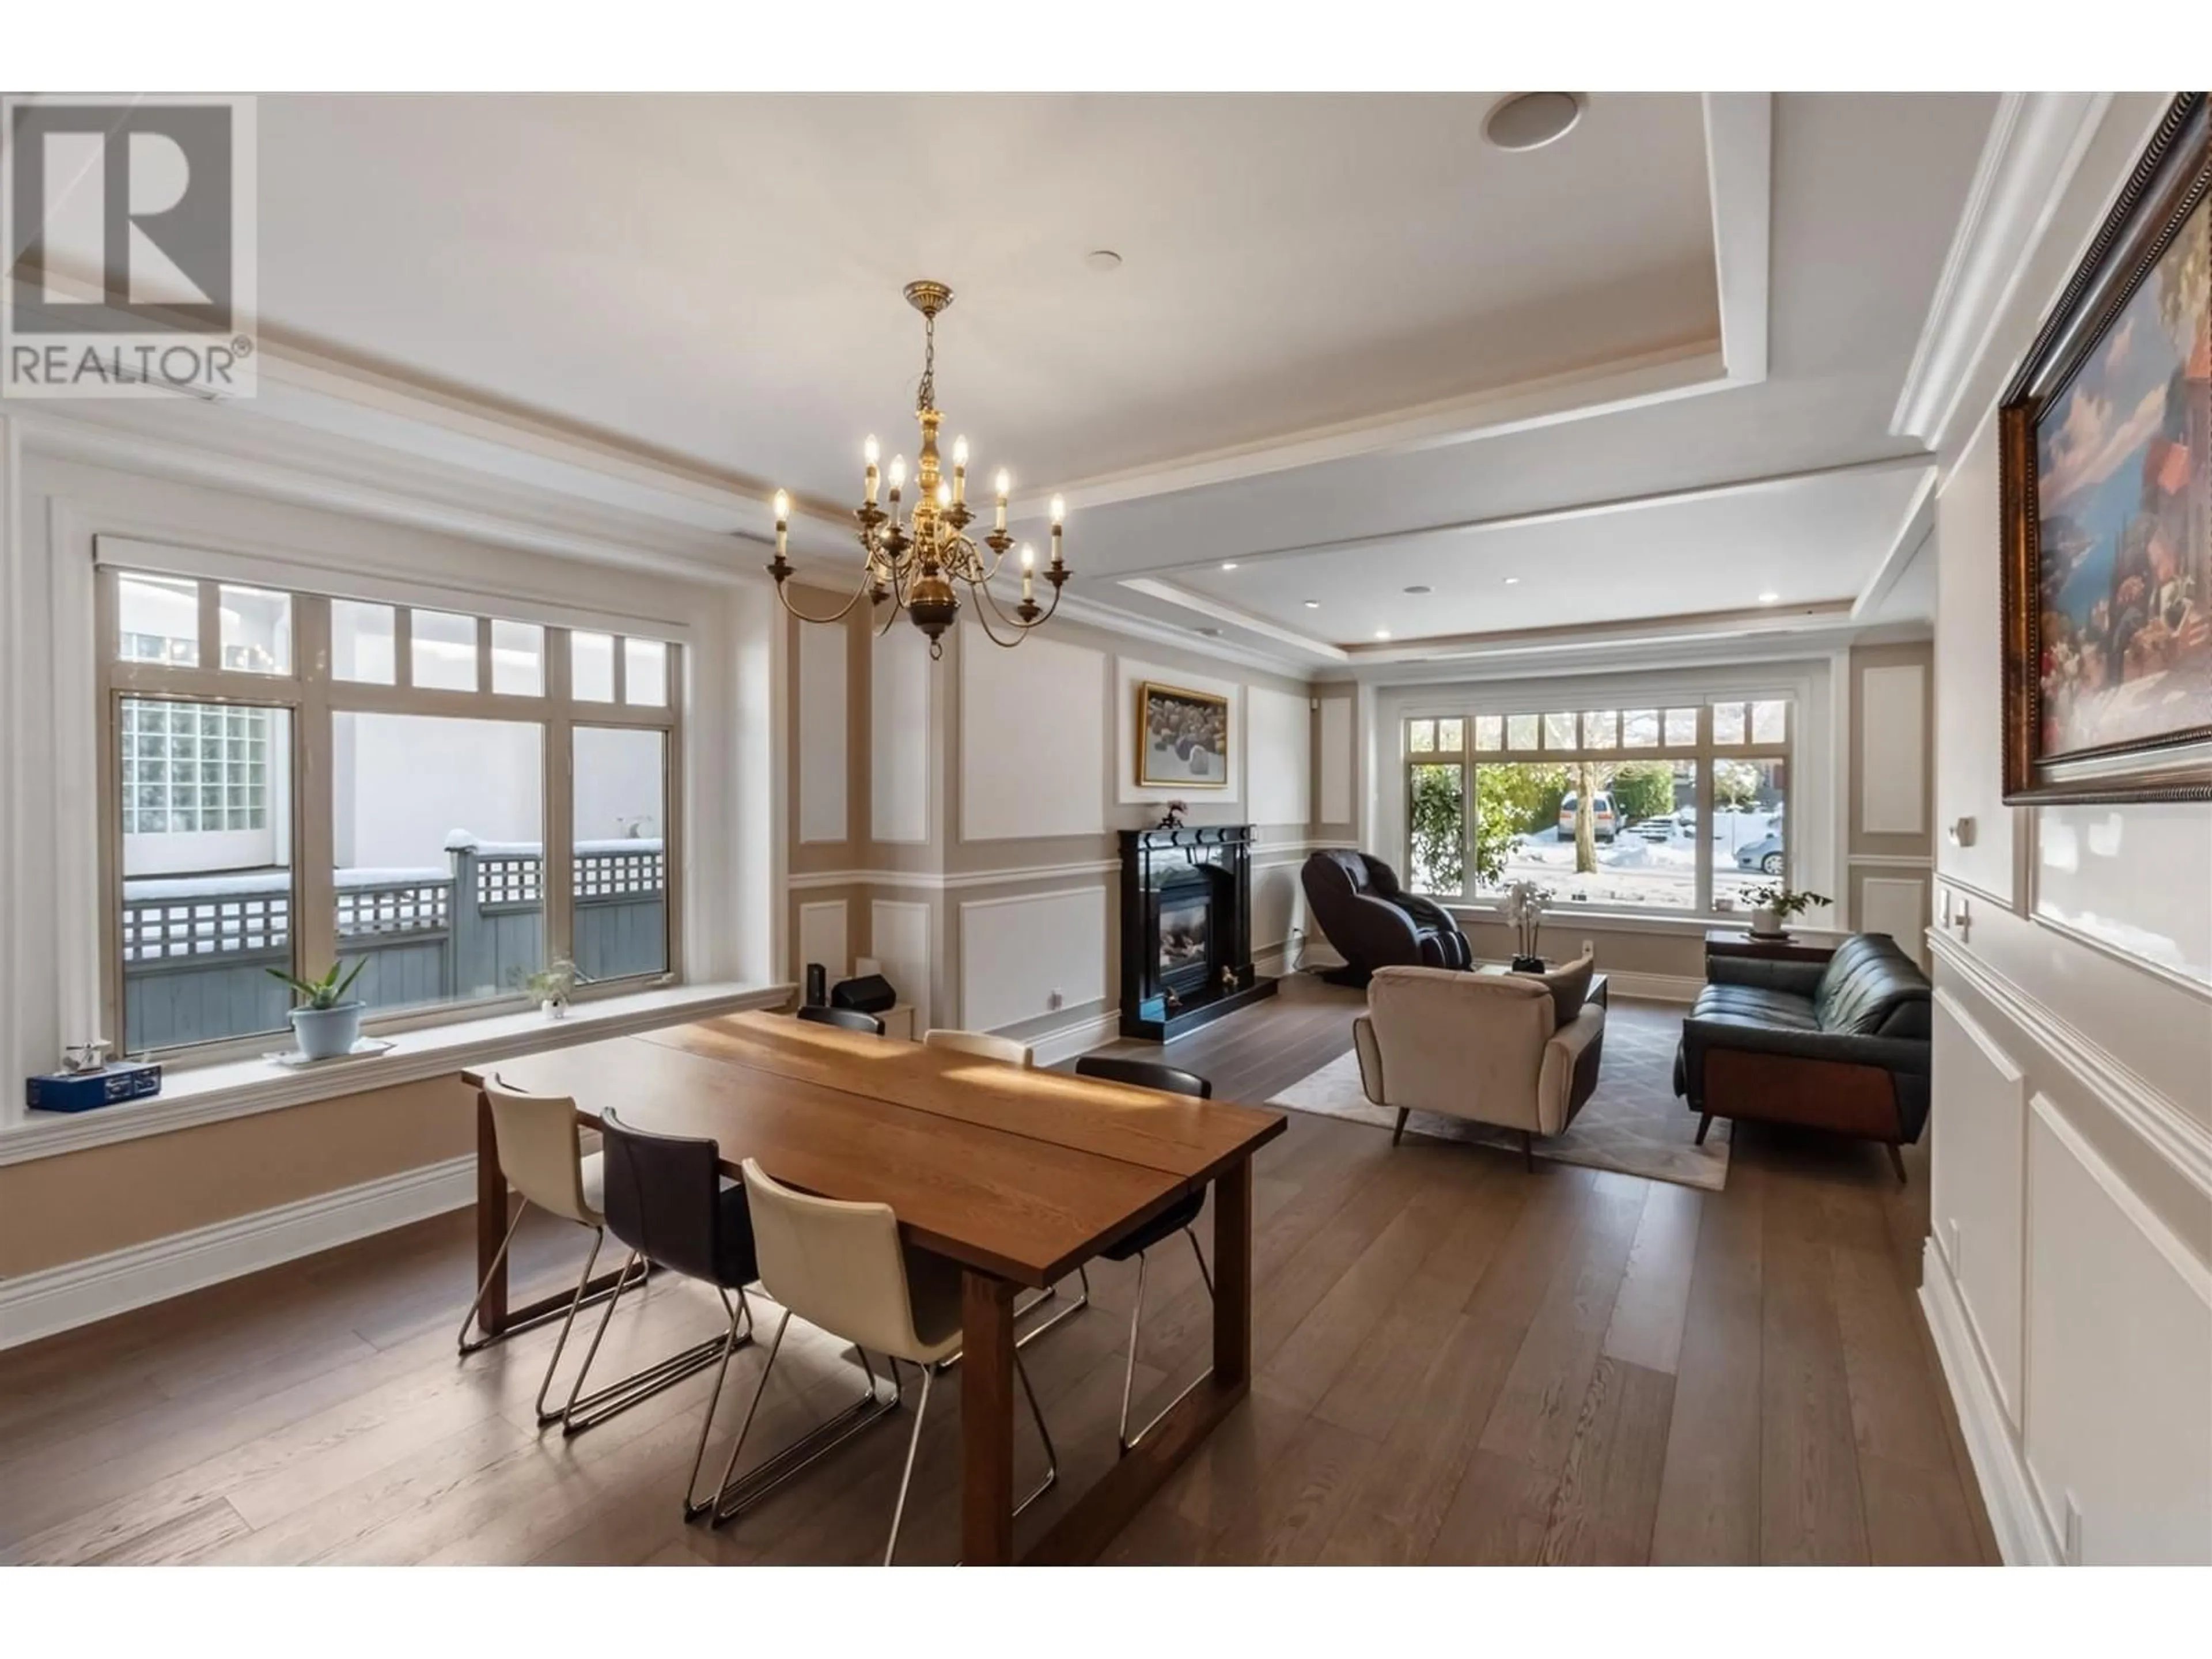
x=1477, y=1046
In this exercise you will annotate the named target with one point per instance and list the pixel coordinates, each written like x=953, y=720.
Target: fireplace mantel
x=1186, y=929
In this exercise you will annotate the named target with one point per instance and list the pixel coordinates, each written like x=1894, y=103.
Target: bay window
x=1671, y=805
x=291, y=779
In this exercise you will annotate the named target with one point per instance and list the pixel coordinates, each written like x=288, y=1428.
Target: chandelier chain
x=927, y=397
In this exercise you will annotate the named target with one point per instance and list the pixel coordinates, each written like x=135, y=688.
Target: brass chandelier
x=915, y=561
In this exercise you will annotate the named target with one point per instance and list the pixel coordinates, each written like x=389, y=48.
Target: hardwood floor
x=1456, y=1361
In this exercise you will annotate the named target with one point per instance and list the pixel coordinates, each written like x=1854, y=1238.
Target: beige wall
x=57, y=1210
x=957, y=876
x=1889, y=869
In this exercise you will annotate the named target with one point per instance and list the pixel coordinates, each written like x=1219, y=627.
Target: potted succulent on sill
x=552, y=987
x=324, y=1025
x=1774, y=904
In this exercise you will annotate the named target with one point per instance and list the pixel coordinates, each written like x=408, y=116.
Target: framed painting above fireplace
x=1182, y=737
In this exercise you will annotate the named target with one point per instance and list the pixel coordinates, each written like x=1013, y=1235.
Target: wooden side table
x=1738, y=942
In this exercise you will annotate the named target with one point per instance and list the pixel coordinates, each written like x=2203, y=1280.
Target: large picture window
x=376, y=784
x=1682, y=808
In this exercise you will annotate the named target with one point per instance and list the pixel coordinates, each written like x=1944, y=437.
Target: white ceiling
x=1806, y=543
x=1327, y=304
x=719, y=278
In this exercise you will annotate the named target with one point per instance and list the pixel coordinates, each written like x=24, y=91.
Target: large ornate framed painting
x=2106, y=455
x=1182, y=738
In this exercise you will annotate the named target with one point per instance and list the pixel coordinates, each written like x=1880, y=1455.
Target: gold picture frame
x=2104, y=491
x=1182, y=737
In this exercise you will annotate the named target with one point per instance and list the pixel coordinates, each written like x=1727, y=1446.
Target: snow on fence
x=196, y=948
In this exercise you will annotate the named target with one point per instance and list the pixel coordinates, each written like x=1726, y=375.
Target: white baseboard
x=2023, y=1536
x=1079, y=1038
x=33, y=1305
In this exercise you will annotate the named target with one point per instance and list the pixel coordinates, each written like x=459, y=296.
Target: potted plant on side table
x=325, y=1024
x=1772, y=905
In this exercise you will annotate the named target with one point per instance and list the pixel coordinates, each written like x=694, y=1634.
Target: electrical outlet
x=1589, y=948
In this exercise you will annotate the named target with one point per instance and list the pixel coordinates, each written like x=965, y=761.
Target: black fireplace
x=1186, y=930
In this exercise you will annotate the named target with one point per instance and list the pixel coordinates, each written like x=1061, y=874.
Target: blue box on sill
x=83, y=1091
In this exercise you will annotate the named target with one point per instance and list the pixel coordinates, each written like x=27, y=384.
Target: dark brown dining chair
x=845, y=1020
x=1177, y=1218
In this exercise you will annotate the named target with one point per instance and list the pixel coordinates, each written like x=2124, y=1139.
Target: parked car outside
x=1764, y=855
x=1602, y=818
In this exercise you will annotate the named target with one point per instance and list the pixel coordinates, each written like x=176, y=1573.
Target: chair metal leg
x=1127, y=1441
x=1403, y=1112
x=1050, y=1292
x=561, y=1342
x=740, y=1493
x=1896, y=1159
x=691, y=1506
x=906, y=1475
x=585, y=1411
x=1051, y=1457
x=499, y=1257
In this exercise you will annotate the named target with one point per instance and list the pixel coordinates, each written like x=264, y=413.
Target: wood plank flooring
x=1456, y=1361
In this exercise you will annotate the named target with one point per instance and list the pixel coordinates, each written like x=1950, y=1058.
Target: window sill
x=220, y=1089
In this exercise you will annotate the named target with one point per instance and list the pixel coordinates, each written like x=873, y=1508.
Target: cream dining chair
x=542, y=1155
x=981, y=1044
x=842, y=1268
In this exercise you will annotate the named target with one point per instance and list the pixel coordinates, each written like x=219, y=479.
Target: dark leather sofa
x=1372, y=922
x=1842, y=1046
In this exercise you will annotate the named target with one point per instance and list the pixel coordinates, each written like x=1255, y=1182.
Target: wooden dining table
x=1021, y=1176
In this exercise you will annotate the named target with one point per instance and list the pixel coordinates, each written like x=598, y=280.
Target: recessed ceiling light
x=1228, y=564
x=1103, y=260
x=1768, y=598
x=1530, y=121
x=1420, y=587
x=1313, y=604
x=1381, y=633
x=1509, y=581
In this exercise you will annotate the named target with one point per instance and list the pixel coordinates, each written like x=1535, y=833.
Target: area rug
x=1634, y=1123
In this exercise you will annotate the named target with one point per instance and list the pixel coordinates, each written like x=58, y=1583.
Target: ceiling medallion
x=915, y=562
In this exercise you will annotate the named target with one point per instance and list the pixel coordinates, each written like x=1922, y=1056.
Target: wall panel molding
x=2160, y=1122
x=1016, y=950
x=2023, y=1536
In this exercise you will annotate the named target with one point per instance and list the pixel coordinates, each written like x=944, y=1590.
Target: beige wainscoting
x=80, y=1205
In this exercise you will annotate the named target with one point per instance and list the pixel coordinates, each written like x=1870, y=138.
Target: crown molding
x=2036, y=142
x=1655, y=377
x=1740, y=180
x=347, y=475
x=1174, y=593
x=1913, y=530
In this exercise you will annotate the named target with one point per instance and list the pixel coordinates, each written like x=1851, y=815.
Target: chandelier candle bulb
x=960, y=472
x=1029, y=572
x=1058, y=513
x=869, y=452
x=782, y=520
x=1005, y=483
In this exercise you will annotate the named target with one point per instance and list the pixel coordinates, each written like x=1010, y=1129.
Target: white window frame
x=313, y=695
x=1811, y=830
